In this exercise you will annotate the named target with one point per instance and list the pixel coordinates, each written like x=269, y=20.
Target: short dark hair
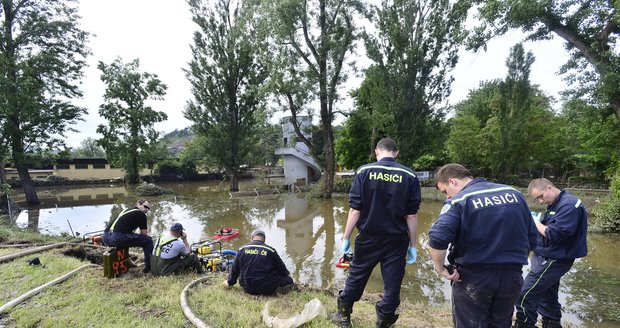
x=387, y=144
x=452, y=171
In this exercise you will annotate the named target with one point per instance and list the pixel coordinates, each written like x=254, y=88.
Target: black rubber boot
x=384, y=320
x=549, y=323
x=343, y=316
x=520, y=324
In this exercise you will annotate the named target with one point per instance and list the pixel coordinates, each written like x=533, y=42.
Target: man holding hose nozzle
x=384, y=200
x=492, y=233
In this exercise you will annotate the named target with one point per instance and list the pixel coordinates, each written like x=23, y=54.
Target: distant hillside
x=176, y=140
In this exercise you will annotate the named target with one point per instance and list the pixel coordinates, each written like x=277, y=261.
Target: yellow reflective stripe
x=160, y=244
x=454, y=201
x=389, y=168
x=261, y=246
x=125, y=211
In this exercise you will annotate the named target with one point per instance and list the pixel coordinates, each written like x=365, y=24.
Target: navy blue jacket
x=385, y=192
x=257, y=265
x=488, y=223
x=567, y=224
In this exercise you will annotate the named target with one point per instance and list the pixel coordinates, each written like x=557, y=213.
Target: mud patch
x=92, y=255
x=156, y=312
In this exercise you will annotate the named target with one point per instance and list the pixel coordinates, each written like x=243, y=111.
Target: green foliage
x=606, y=216
x=356, y=145
x=416, y=47
x=589, y=182
x=307, y=57
x=343, y=185
x=88, y=149
x=42, y=54
x=615, y=183
x=589, y=29
x=593, y=137
x=185, y=168
x=226, y=80
x=426, y=162
x=129, y=138
x=504, y=127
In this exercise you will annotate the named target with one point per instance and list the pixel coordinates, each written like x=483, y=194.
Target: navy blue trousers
x=486, y=294
x=268, y=287
x=121, y=239
x=540, y=290
x=369, y=251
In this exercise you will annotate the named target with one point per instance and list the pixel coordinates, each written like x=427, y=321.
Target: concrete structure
x=79, y=169
x=299, y=166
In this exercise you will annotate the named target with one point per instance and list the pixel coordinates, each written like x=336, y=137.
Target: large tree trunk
x=27, y=185
x=22, y=169
x=330, y=163
x=234, y=181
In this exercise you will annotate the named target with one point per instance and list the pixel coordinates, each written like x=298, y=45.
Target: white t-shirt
x=173, y=249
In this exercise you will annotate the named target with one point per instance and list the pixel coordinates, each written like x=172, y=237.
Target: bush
x=343, y=185
x=152, y=190
x=606, y=216
x=586, y=182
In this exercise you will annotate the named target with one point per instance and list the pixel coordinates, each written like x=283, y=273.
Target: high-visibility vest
x=161, y=243
x=125, y=211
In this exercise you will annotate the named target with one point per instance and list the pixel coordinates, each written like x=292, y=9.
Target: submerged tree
x=310, y=43
x=130, y=136
x=226, y=80
x=42, y=54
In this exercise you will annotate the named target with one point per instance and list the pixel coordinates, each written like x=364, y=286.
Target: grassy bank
x=90, y=300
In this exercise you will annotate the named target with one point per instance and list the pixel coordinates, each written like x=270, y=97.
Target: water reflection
x=307, y=234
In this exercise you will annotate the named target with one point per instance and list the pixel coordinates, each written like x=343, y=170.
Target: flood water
x=307, y=235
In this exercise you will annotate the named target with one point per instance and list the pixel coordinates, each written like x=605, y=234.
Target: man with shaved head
x=561, y=239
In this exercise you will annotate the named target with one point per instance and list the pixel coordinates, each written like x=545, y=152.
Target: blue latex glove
x=346, y=246
x=412, y=255
x=536, y=216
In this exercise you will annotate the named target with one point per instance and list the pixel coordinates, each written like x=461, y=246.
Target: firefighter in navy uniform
x=260, y=269
x=119, y=232
x=561, y=239
x=384, y=200
x=492, y=232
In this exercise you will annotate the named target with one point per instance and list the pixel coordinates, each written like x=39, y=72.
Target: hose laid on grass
x=15, y=255
x=37, y=290
x=186, y=310
x=11, y=256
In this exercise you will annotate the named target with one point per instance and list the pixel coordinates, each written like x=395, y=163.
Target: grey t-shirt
x=173, y=249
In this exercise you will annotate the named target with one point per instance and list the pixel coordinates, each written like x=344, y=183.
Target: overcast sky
x=159, y=32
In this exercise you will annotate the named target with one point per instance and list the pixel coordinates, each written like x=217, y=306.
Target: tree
x=416, y=46
x=593, y=137
x=499, y=129
x=88, y=149
x=226, y=80
x=42, y=54
x=590, y=29
x=370, y=121
x=130, y=136
x=310, y=42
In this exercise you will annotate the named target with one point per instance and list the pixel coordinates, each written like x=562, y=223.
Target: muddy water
x=307, y=235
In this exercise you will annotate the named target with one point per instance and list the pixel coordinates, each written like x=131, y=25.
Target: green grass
x=90, y=300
